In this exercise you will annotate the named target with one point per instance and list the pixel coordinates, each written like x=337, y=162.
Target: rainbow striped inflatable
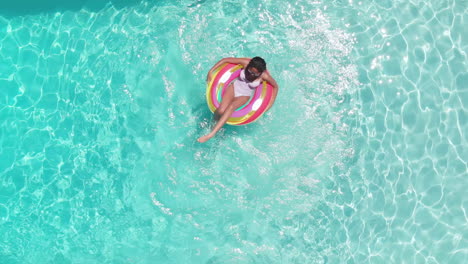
x=250, y=111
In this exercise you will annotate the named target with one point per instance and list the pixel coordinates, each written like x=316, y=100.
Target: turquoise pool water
x=363, y=158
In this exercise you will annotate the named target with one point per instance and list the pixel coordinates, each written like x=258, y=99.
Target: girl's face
x=251, y=74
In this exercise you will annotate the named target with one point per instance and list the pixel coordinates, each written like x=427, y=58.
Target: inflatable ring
x=250, y=111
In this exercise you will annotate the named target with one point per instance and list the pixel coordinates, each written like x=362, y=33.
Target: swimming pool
x=363, y=158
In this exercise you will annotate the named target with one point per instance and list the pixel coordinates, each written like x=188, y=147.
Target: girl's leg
x=236, y=103
x=228, y=97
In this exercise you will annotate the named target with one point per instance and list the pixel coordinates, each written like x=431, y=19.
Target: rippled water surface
x=363, y=158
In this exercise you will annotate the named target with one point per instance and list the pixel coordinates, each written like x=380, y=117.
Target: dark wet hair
x=258, y=63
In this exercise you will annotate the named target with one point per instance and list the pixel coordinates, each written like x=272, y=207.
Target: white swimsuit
x=242, y=87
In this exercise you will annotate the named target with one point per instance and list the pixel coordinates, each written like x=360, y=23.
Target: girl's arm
x=242, y=61
x=267, y=77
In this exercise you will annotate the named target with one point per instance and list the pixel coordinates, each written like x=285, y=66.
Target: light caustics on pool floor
x=363, y=159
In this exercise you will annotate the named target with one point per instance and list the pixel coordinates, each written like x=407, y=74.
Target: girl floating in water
x=240, y=91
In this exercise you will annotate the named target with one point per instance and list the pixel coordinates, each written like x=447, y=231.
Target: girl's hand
x=208, y=77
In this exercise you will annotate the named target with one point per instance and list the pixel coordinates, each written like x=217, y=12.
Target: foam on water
x=362, y=159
